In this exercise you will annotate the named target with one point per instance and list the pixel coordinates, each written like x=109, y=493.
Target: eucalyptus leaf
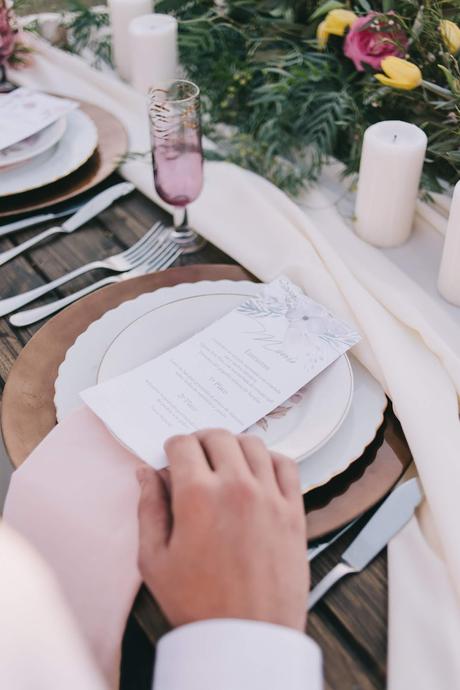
x=388, y=5
x=326, y=8
x=365, y=5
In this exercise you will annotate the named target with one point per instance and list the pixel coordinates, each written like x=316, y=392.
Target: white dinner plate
x=152, y=323
x=33, y=146
x=297, y=428
x=73, y=150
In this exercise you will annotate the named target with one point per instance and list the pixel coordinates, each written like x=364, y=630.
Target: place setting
x=53, y=149
x=187, y=244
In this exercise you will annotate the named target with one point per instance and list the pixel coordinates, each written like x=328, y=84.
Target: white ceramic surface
x=98, y=354
x=73, y=150
x=32, y=146
x=296, y=428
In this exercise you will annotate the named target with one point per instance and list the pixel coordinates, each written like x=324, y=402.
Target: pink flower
x=373, y=38
x=7, y=34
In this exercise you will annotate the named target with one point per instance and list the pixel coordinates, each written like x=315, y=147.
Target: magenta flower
x=7, y=34
x=373, y=38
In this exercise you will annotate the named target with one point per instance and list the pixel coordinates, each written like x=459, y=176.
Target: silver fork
x=156, y=262
x=124, y=261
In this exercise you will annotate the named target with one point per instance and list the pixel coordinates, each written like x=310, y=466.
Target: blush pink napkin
x=75, y=499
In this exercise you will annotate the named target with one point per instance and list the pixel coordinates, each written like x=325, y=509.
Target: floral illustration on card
x=286, y=319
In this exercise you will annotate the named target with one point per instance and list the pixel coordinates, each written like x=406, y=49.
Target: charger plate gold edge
x=28, y=411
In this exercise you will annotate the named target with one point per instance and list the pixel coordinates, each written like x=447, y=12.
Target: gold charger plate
x=112, y=146
x=28, y=411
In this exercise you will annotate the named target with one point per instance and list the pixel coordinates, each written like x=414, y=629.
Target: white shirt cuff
x=237, y=655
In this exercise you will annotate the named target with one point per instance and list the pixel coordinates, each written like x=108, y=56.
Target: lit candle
x=153, y=45
x=389, y=179
x=449, y=275
x=121, y=14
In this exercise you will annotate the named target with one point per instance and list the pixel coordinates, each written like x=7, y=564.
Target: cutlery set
x=152, y=252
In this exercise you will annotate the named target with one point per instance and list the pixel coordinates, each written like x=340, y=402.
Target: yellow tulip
x=336, y=23
x=399, y=73
x=450, y=33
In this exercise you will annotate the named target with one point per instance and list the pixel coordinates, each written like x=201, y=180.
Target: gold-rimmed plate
x=112, y=145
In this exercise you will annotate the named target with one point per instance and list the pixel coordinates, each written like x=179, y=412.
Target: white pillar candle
x=389, y=178
x=449, y=275
x=153, y=46
x=121, y=14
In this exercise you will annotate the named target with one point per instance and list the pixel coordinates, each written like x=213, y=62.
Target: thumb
x=154, y=515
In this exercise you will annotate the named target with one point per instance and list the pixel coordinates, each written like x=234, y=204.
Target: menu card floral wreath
x=229, y=375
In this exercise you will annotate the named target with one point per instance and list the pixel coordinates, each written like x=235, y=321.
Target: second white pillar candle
x=153, y=46
x=121, y=14
x=389, y=179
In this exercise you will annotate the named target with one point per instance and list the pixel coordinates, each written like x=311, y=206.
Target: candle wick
x=395, y=136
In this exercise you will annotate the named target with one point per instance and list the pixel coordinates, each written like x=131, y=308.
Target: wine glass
x=177, y=155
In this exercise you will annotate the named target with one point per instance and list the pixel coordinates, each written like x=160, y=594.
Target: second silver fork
x=158, y=260
x=124, y=261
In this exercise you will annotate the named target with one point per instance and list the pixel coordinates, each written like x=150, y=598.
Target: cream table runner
x=402, y=346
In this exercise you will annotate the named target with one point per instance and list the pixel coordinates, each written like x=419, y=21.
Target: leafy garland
x=270, y=94
x=261, y=73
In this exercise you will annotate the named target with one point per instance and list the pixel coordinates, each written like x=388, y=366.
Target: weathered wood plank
x=358, y=604
x=343, y=667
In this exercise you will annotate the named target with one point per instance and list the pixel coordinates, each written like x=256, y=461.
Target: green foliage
x=87, y=27
x=274, y=104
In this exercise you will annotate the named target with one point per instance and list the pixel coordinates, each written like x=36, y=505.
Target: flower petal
x=450, y=33
x=399, y=74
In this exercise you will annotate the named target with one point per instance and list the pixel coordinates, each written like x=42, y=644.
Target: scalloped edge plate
x=84, y=362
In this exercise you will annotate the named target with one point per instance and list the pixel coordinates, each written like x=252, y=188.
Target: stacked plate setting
x=325, y=426
x=59, y=139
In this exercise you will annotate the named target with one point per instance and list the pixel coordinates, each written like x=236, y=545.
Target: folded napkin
x=404, y=346
x=75, y=499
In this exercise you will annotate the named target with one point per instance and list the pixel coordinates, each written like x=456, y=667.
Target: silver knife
x=89, y=210
x=16, y=225
x=314, y=551
x=392, y=515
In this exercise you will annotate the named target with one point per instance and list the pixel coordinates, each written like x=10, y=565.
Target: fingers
x=287, y=476
x=154, y=515
x=187, y=459
x=258, y=459
x=224, y=453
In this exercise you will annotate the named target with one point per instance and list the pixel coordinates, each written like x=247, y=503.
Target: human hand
x=227, y=539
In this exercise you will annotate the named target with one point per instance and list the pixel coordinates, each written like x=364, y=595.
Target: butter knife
x=387, y=521
x=88, y=211
x=16, y=225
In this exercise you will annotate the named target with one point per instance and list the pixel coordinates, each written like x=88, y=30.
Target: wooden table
x=350, y=625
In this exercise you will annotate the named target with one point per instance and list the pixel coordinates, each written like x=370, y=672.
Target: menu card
x=229, y=375
x=24, y=112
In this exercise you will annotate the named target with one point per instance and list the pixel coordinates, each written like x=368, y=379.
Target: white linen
x=260, y=227
x=42, y=649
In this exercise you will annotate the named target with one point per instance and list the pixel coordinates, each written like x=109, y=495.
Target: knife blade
x=16, y=225
x=96, y=205
x=386, y=522
x=88, y=211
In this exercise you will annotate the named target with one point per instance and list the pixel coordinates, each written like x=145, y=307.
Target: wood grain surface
x=350, y=623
